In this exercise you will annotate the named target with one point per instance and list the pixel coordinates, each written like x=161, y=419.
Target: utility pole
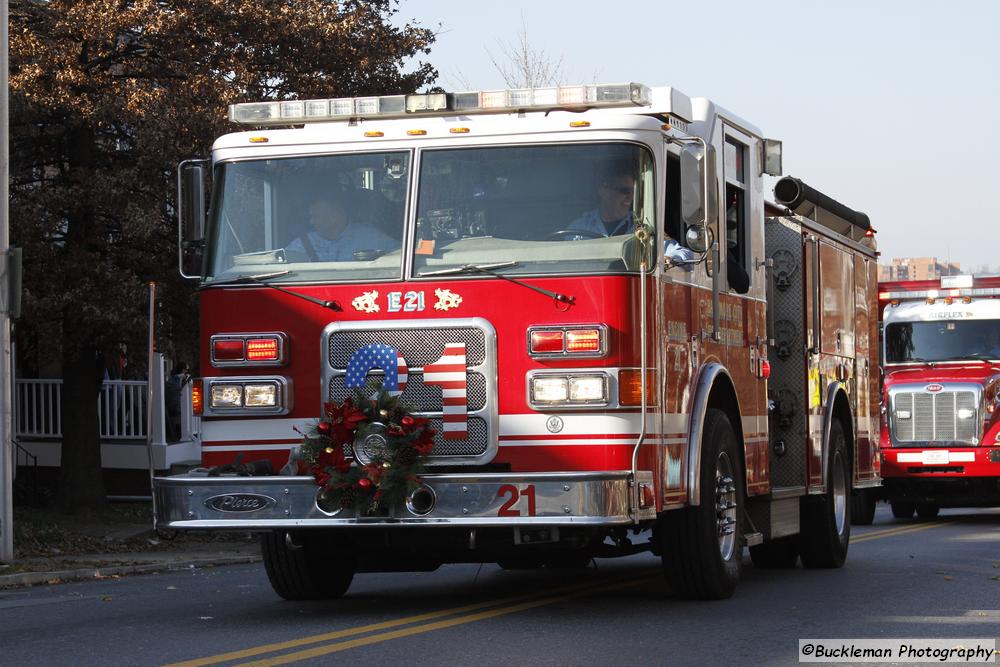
x=6, y=381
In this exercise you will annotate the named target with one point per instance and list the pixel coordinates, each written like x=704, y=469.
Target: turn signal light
x=583, y=340
x=630, y=387
x=262, y=349
x=197, y=398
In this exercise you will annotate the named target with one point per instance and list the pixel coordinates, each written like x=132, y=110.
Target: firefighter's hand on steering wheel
x=572, y=235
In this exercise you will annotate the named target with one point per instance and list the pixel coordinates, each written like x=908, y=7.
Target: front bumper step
x=493, y=499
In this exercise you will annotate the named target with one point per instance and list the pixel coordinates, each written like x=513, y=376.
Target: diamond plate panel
x=786, y=300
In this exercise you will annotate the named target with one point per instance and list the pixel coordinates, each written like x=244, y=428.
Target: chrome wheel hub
x=725, y=506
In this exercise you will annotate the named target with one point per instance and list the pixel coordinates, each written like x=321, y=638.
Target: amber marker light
x=459, y=130
x=258, y=140
x=374, y=133
x=630, y=387
x=580, y=123
x=197, y=397
x=416, y=133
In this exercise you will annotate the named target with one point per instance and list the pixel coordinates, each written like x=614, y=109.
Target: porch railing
x=121, y=408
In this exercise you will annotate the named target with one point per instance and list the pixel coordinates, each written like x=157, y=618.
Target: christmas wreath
x=389, y=444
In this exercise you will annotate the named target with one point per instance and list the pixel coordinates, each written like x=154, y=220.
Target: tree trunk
x=81, y=479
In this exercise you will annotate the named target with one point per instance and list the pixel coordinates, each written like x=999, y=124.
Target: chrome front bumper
x=493, y=499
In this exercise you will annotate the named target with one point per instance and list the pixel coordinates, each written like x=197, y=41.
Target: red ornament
x=407, y=420
x=364, y=483
x=323, y=427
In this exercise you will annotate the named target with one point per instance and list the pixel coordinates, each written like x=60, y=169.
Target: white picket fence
x=121, y=408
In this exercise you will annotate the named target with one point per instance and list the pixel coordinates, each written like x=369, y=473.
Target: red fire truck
x=941, y=376
x=607, y=327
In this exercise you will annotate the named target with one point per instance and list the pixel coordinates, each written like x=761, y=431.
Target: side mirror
x=698, y=203
x=191, y=199
x=693, y=185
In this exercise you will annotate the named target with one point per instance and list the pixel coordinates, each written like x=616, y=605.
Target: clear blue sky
x=887, y=106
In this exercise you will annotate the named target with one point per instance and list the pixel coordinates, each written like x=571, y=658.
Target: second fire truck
x=941, y=356
x=695, y=377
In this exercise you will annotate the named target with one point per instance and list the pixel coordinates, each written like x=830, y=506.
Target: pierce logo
x=239, y=502
x=933, y=388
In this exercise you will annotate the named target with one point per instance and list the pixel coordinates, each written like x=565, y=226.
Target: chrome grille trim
x=421, y=342
x=934, y=415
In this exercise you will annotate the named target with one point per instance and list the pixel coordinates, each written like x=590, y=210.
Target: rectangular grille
x=421, y=343
x=934, y=417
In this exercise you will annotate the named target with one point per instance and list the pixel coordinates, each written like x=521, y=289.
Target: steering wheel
x=563, y=234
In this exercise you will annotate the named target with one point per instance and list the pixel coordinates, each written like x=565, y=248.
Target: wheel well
x=723, y=397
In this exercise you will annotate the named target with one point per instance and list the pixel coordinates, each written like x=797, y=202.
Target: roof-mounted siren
x=811, y=203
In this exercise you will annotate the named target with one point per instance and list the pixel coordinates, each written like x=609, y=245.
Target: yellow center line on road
x=384, y=625
x=438, y=625
x=901, y=530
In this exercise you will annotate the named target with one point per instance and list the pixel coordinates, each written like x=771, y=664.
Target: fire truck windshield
x=946, y=340
x=544, y=209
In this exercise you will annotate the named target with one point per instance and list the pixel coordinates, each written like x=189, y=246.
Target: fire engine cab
x=596, y=268
x=941, y=376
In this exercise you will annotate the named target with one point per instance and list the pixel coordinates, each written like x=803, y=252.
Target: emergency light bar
x=937, y=294
x=440, y=104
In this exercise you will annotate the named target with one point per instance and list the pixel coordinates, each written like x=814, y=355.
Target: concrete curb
x=22, y=579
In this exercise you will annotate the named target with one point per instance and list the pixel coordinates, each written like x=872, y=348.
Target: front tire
x=304, y=571
x=702, y=545
x=825, y=528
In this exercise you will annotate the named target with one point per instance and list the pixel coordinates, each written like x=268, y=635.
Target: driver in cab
x=334, y=236
x=613, y=214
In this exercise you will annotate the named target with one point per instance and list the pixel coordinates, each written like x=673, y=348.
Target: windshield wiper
x=260, y=279
x=490, y=270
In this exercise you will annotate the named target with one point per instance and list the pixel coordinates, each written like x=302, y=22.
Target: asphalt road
x=914, y=579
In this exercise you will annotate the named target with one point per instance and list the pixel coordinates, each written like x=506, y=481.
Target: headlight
x=549, y=389
x=261, y=395
x=227, y=396
x=589, y=389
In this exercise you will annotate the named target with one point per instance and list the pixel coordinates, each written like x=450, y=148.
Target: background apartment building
x=917, y=268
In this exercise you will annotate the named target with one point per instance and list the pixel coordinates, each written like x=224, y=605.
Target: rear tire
x=863, y=508
x=927, y=511
x=702, y=545
x=902, y=509
x=780, y=553
x=825, y=528
x=304, y=571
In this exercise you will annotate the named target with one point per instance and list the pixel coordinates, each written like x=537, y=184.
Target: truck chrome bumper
x=491, y=499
